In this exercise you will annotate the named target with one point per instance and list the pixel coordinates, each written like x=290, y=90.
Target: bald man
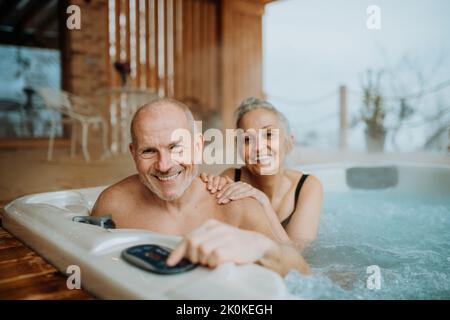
x=168, y=197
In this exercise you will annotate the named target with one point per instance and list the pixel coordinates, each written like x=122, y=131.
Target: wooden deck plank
x=26, y=275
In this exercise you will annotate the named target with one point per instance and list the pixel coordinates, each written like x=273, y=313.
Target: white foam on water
x=406, y=236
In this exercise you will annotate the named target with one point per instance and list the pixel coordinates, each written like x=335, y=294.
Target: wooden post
x=448, y=148
x=343, y=117
x=165, y=24
x=137, y=35
x=64, y=49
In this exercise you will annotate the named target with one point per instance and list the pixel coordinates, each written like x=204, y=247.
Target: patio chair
x=76, y=110
x=12, y=128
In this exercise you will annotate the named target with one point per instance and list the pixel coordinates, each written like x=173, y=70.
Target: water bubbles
x=405, y=236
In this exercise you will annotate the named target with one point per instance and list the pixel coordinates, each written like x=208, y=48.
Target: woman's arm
x=302, y=228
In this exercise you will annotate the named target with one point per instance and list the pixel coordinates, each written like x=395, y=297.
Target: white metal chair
x=76, y=110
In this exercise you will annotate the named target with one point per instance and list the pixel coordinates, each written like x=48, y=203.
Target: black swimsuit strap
x=298, y=189
x=237, y=175
x=297, y=194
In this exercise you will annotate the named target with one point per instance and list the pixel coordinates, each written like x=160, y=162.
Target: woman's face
x=264, y=145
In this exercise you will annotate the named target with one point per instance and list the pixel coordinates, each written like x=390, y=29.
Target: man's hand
x=214, y=243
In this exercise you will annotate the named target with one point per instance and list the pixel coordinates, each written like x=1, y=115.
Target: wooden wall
x=83, y=56
x=207, y=53
x=241, y=59
x=198, y=81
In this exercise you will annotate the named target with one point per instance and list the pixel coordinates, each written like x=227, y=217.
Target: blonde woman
x=289, y=197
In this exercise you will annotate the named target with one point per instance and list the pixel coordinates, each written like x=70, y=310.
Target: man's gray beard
x=187, y=182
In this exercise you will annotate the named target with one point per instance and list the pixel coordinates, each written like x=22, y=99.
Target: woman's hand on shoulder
x=239, y=190
x=214, y=183
x=227, y=190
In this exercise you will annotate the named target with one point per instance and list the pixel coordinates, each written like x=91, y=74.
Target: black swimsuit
x=284, y=223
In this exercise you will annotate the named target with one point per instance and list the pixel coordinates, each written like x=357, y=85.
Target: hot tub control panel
x=151, y=257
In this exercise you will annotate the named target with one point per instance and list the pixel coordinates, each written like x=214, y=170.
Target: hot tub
x=44, y=222
x=388, y=222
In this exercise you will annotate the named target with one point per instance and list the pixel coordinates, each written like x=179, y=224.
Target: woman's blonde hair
x=253, y=103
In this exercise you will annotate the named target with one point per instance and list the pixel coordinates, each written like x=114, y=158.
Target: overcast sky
x=312, y=46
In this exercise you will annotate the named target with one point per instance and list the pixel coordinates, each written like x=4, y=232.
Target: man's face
x=160, y=157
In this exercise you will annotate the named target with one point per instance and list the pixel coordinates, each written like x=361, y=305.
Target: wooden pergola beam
x=46, y=17
x=31, y=9
x=6, y=7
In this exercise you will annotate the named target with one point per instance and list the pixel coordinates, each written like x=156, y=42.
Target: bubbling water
x=407, y=237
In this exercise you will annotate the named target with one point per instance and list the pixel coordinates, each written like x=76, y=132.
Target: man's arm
x=281, y=254
x=215, y=242
x=282, y=258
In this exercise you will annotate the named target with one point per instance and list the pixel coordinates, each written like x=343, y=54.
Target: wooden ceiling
x=31, y=23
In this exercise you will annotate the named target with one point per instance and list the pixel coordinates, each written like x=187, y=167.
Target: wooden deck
x=26, y=275
x=23, y=273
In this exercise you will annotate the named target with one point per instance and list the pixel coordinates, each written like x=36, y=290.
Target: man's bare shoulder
x=246, y=209
x=115, y=196
x=244, y=203
x=252, y=217
x=229, y=173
